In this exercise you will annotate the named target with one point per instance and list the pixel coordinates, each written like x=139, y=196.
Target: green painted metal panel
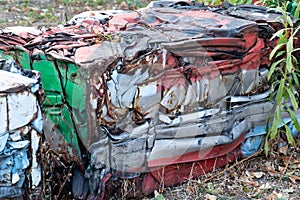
x=60, y=116
x=50, y=76
x=52, y=99
x=6, y=55
x=20, y=56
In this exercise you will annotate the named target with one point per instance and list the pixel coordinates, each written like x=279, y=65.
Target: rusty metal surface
x=170, y=84
x=20, y=130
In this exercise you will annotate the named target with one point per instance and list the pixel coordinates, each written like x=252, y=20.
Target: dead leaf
x=289, y=190
x=289, y=161
x=276, y=196
x=258, y=174
x=284, y=149
x=293, y=178
x=255, y=194
x=281, y=169
x=265, y=186
x=210, y=197
x=248, y=173
x=250, y=183
x=295, y=161
x=190, y=189
x=270, y=168
x=272, y=196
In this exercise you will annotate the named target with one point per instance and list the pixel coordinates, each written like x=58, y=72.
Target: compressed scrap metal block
x=157, y=95
x=20, y=132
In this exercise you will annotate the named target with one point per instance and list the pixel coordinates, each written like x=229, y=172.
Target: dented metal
x=164, y=88
x=20, y=130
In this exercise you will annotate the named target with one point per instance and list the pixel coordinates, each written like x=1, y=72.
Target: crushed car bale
x=21, y=126
x=154, y=96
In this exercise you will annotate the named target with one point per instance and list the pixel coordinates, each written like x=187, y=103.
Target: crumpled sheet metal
x=20, y=131
x=175, y=84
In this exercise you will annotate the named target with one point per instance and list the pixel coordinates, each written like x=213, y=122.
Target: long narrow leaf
x=268, y=130
x=293, y=98
x=274, y=129
x=297, y=12
x=289, y=135
x=297, y=49
x=289, y=63
x=289, y=20
x=294, y=60
x=273, y=67
x=295, y=31
x=267, y=149
x=276, y=120
x=278, y=34
x=279, y=94
x=283, y=39
x=295, y=78
x=290, y=45
x=273, y=52
x=280, y=53
x=294, y=119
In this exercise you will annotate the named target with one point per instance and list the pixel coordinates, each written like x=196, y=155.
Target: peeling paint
x=147, y=92
x=19, y=107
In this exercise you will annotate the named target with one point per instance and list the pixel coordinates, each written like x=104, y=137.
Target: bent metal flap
x=154, y=95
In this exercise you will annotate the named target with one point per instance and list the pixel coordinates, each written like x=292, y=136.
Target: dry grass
x=257, y=177
x=275, y=177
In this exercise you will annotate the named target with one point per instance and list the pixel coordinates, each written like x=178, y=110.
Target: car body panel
x=174, y=88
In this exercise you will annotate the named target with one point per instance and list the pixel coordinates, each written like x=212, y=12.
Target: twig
x=281, y=173
x=232, y=166
x=286, y=166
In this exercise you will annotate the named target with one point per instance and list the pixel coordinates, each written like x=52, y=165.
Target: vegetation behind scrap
x=284, y=73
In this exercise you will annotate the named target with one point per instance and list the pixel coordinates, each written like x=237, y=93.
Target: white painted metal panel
x=11, y=82
x=36, y=175
x=3, y=113
x=22, y=109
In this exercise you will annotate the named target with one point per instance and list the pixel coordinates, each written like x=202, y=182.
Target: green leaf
x=267, y=149
x=280, y=9
x=295, y=77
x=297, y=11
x=273, y=67
x=279, y=94
x=273, y=52
x=283, y=39
x=274, y=128
x=267, y=140
x=294, y=60
x=278, y=34
x=294, y=119
x=289, y=63
x=289, y=135
x=295, y=31
x=289, y=20
x=280, y=53
x=292, y=97
x=297, y=49
x=290, y=45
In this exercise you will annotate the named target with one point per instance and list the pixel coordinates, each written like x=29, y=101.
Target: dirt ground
x=257, y=177
x=52, y=12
